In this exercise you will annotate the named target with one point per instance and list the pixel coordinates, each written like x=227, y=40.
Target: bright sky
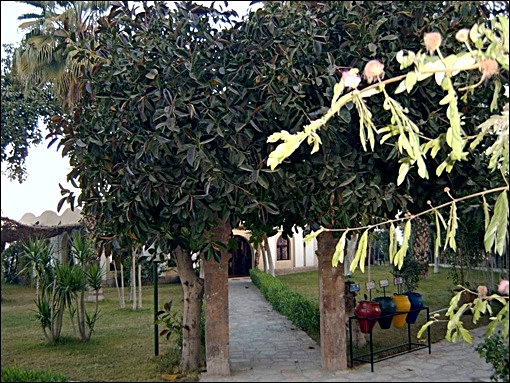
x=45, y=166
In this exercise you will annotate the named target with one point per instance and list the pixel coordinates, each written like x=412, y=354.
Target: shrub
x=17, y=374
x=495, y=351
x=11, y=259
x=409, y=272
x=302, y=312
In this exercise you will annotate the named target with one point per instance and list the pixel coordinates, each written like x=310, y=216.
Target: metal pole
x=156, y=331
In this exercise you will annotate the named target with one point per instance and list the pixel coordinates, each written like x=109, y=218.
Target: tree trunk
x=270, y=262
x=332, y=305
x=140, y=285
x=133, y=279
x=421, y=246
x=216, y=306
x=193, y=289
x=64, y=248
x=264, y=258
x=122, y=290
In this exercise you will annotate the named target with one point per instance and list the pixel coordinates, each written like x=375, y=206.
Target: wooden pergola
x=13, y=231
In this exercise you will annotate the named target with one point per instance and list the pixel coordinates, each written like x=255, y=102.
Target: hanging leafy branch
x=397, y=256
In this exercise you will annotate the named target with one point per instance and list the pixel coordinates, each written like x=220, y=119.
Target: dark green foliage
x=303, y=312
x=17, y=374
x=495, y=351
x=410, y=273
x=11, y=263
x=174, y=136
x=22, y=110
x=172, y=320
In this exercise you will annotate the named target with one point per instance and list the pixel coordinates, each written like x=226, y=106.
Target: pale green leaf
x=337, y=91
x=466, y=335
x=310, y=237
x=439, y=77
x=451, y=230
x=496, y=232
x=423, y=328
x=486, y=212
x=401, y=87
x=402, y=172
x=401, y=253
x=422, y=168
x=462, y=61
x=361, y=253
x=393, y=242
x=410, y=81
x=441, y=167
x=339, y=254
x=446, y=99
x=474, y=35
x=494, y=102
x=400, y=56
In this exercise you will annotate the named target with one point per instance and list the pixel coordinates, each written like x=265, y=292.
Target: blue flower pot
x=416, y=303
x=388, y=307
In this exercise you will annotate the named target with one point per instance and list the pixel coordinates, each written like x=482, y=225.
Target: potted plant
x=410, y=274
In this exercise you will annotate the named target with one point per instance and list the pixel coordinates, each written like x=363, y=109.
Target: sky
x=46, y=167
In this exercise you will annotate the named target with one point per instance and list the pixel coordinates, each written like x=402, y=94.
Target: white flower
x=351, y=80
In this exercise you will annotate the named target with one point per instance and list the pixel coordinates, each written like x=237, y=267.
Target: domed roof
x=51, y=218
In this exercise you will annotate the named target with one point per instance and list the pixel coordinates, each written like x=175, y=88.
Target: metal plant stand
x=369, y=358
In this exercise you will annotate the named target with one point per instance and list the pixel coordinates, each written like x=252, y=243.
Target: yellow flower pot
x=403, y=306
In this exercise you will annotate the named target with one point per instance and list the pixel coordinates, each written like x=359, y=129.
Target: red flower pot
x=368, y=310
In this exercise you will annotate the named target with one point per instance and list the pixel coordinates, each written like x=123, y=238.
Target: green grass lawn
x=122, y=348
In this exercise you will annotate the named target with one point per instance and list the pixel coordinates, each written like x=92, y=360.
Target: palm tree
x=37, y=254
x=421, y=247
x=43, y=56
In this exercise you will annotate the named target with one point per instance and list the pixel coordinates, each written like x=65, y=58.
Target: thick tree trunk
x=421, y=246
x=332, y=305
x=216, y=306
x=193, y=288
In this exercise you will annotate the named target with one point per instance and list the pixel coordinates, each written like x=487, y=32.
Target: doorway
x=240, y=262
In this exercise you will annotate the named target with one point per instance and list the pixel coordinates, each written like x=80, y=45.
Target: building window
x=282, y=249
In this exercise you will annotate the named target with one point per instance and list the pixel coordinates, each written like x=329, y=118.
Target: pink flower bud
x=503, y=287
x=374, y=70
x=432, y=41
x=482, y=291
x=462, y=35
